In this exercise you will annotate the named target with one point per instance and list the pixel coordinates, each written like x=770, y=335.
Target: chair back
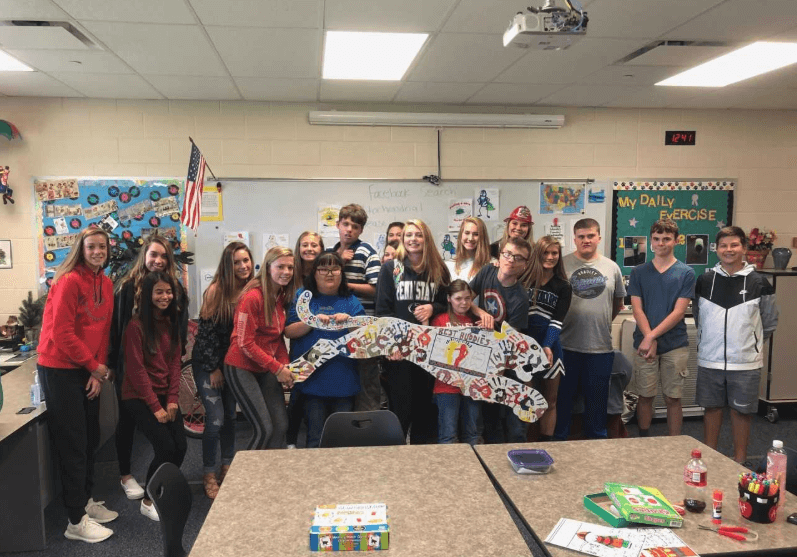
x=171, y=495
x=372, y=428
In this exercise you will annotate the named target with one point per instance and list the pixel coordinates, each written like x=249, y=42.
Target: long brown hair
x=150, y=334
x=271, y=291
x=482, y=255
x=298, y=262
x=459, y=285
x=431, y=264
x=218, y=301
x=139, y=270
x=534, y=275
x=75, y=255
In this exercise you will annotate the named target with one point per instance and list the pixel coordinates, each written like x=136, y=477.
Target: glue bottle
x=695, y=480
x=776, y=467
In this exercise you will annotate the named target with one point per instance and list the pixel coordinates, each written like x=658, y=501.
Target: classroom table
x=439, y=501
x=582, y=467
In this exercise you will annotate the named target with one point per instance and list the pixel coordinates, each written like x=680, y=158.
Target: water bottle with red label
x=695, y=481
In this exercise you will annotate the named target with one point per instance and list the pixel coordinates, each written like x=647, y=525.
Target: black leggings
x=168, y=440
x=409, y=394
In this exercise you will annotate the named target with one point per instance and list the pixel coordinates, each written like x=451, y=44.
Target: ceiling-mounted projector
x=548, y=27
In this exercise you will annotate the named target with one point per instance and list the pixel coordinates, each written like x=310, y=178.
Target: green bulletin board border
x=726, y=186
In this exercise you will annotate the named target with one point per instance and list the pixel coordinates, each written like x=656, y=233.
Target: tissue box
x=356, y=527
x=642, y=504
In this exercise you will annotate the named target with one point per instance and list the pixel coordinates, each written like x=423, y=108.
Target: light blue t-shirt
x=659, y=292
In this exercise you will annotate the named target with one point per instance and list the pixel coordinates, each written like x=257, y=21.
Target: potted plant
x=759, y=243
x=31, y=313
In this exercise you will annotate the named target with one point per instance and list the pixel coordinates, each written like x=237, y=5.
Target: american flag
x=192, y=204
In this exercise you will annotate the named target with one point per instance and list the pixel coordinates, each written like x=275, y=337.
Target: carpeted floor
x=137, y=536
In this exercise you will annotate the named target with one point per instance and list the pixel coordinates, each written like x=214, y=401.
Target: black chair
x=171, y=495
x=374, y=428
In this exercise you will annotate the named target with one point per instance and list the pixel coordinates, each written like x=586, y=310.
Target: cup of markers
x=758, y=497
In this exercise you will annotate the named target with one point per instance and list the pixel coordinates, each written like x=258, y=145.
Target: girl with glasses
x=332, y=387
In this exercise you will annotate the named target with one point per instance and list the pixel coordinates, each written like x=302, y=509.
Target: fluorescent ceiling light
x=10, y=64
x=370, y=56
x=436, y=120
x=749, y=61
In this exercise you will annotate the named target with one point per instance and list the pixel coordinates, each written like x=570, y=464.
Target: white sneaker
x=97, y=512
x=87, y=530
x=291, y=446
x=132, y=489
x=150, y=512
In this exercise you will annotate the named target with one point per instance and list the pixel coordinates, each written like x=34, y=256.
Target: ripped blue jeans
x=219, y=422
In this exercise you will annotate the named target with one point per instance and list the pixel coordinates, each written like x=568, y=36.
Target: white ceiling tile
x=386, y=15
x=109, y=86
x=191, y=87
x=671, y=55
x=654, y=97
x=740, y=21
x=340, y=90
x=568, y=66
x=464, y=58
x=513, y=93
x=133, y=11
x=253, y=52
x=584, y=95
x=766, y=99
x=38, y=37
x=641, y=18
x=260, y=13
x=64, y=61
x=34, y=84
x=275, y=89
x=161, y=49
x=629, y=75
x=430, y=92
x=31, y=10
x=473, y=16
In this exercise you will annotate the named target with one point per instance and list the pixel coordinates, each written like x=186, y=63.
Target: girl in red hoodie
x=257, y=356
x=72, y=354
x=152, y=374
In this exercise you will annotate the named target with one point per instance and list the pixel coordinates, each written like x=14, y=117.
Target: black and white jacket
x=733, y=314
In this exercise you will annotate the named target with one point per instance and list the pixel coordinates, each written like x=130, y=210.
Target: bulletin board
x=699, y=208
x=128, y=208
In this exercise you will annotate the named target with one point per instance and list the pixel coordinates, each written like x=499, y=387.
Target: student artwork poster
x=128, y=209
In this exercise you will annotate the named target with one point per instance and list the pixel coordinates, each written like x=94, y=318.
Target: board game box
x=643, y=504
x=356, y=527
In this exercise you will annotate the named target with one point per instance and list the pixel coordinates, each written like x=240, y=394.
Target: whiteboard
x=290, y=207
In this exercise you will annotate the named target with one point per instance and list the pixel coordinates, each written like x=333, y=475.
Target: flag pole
x=206, y=160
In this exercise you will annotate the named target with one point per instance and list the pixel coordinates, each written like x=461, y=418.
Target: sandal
x=223, y=472
x=211, y=485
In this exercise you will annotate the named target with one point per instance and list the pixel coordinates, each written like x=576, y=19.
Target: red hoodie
x=161, y=376
x=77, y=320
x=255, y=346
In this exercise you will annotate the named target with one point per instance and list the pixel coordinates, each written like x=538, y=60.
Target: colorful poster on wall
x=487, y=205
x=565, y=198
x=128, y=208
x=459, y=210
x=699, y=208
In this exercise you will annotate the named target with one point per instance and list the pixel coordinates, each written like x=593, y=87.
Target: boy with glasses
x=503, y=298
x=586, y=338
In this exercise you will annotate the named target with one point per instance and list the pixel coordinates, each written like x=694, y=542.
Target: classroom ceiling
x=271, y=50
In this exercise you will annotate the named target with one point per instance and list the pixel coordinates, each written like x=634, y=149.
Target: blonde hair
x=529, y=237
x=533, y=277
x=218, y=301
x=482, y=255
x=75, y=255
x=298, y=262
x=139, y=270
x=272, y=292
x=431, y=261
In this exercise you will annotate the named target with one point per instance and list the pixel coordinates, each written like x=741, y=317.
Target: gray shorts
x=738, y=389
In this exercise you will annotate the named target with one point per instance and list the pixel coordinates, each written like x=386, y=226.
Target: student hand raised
x=171, y=409
x=162, y=416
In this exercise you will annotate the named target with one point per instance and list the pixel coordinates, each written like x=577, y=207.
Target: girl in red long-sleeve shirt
x=72, y=355
x=257, y=356
x=152, y=374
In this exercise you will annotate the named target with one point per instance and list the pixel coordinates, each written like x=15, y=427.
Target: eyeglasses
x=514, y=258
x=327, y=271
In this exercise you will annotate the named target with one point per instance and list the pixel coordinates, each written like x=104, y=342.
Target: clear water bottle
x=776, y=467
x=695, y=481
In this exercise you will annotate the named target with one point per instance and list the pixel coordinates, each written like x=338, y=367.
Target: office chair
x=373, y=428
x=169, y=492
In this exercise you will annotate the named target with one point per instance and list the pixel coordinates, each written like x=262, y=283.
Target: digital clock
x=679, y=138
